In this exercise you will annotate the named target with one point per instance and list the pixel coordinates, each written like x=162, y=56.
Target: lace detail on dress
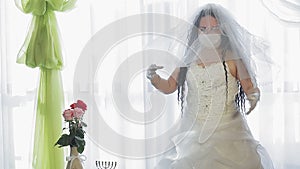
x=207, y=88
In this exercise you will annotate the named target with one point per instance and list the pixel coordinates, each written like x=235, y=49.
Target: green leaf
x=83, y=124
x=79, y=138
x=64, y=140
x=80, y=133
x=81, y=146
x=72, y=134
x=80, y=149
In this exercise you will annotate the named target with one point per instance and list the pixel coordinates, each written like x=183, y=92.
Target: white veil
x=237, y=43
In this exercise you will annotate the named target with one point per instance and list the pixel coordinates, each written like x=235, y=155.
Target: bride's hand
x=253, y=98
x=151, y=70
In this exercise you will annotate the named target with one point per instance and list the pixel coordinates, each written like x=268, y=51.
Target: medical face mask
x=210, y=40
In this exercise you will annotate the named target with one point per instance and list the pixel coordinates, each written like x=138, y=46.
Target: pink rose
x=79, y=104
x=68, y=115
x=78, y=113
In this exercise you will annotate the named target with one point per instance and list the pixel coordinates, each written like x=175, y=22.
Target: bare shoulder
x=231, y=63
x=232, y=67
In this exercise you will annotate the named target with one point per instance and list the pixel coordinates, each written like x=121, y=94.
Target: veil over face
x=218, y=40
x=236, y=42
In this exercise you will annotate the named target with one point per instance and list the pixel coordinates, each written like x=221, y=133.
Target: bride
x=213, y=84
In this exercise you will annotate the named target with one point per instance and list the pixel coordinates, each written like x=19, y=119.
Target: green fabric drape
x=42, y=49
x=42, y=46
x=48, y=126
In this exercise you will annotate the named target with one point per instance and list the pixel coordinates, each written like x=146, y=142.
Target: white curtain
x=6, y=128
x=18, y=85
x=275, y=122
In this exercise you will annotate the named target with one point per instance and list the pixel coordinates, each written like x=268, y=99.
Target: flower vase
x=74, y=161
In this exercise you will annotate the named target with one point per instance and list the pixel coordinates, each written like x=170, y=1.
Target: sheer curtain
x=275, y=122
x=7, y=152
x=18, y=85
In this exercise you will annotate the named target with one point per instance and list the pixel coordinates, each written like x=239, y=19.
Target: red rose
x=79, y=104
x=73, y=106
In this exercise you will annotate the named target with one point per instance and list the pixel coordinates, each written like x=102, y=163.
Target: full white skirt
x=230, y=146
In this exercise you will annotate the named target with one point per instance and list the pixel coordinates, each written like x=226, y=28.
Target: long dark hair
x=181, y=81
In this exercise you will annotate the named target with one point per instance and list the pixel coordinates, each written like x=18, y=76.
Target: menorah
x=106, y=164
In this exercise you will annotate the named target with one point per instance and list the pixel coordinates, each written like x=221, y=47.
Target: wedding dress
x=219, y=138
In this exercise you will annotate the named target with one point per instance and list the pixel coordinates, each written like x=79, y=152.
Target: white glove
x=151, y=70
x=253, y=98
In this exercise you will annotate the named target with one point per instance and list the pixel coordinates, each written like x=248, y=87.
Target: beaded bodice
x=208, y=92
